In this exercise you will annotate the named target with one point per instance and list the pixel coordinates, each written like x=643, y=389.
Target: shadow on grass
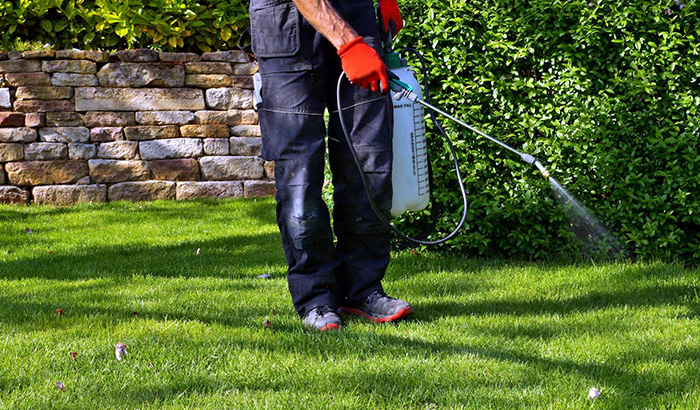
x=625, y=383
x=102, y=303
x=87, y=283
x=80, y=251
x=84, y=278
x=645, y=297
x=228, y=257
x=16, y=213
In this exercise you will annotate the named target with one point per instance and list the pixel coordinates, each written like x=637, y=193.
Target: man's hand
x=390, y=17
x=363, y=65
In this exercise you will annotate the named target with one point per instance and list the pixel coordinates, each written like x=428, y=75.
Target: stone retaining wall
x=81, y=126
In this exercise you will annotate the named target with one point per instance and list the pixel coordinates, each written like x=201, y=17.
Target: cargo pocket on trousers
x=275, y=30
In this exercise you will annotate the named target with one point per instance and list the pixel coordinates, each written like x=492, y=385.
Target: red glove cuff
x=343, y=51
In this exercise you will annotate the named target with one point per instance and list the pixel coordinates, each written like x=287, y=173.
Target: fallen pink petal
x=593, y=393
x=120, y=350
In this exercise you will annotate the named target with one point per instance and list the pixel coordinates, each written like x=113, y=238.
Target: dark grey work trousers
x=300, y=70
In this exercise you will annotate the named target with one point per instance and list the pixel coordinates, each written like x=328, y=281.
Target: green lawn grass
x=177, y=282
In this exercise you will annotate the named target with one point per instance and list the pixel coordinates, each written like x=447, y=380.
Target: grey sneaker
x=322, y=318
x=380, y=308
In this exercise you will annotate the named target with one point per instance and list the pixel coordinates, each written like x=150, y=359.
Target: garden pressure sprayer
x=411, y=165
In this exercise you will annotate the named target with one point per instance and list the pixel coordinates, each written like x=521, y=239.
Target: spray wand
x=404, y=90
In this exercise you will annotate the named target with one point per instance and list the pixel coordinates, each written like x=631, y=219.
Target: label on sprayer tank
x=420, y=149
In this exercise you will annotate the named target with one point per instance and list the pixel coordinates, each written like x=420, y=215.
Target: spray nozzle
x=543, y=170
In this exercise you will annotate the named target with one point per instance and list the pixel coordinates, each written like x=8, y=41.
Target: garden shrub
x=604, y=94
x=167, y=25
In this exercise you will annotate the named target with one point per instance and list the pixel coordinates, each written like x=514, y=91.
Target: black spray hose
x=376, y=210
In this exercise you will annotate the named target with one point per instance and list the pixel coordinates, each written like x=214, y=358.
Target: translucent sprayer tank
x=410, y=175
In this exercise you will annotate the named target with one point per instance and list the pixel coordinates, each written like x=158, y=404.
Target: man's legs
x=299, y=77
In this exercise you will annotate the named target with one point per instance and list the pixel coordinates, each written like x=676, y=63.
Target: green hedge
x=168, y=25
x=605, y=94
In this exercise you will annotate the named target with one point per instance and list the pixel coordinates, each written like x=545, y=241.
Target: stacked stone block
x=80, y=126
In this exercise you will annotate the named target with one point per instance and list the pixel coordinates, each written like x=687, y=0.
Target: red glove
x=389, y=12
x=363, y=65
